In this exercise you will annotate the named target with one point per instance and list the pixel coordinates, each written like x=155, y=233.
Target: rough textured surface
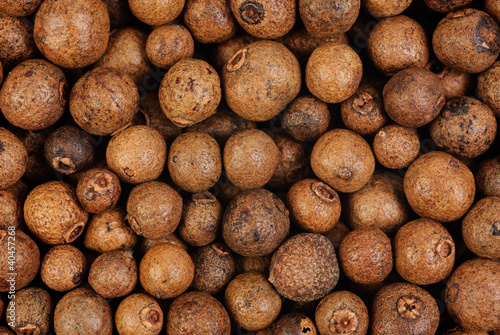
x=380, y=203
x=156, y=12
x=455, y=83
x=488, y=177
x=252, y=301
x=107, y=231
x=260, y=80
x=19, y=8
x=467, y=40
x=439, y=186
x=342, y=312
x=154, y=209
x=5, y=331
x=224, y=51
x=255, y=223
x=201, y=219
x=253, y=264
x=250, y=158
x=194, y=162
x=119, y=12
x=145, y=243
x=384, y=8
x=343, y=160
x=34, y=95
x=137, y=154
x=294, y=324
x=27, y=259
x=460, y=331
x=397, y=43
x=13, y=158
x=481, y=228
x=333, y=72
x=304, y=268
x=166, y=271
x=98, y=190
x=139, y=314
x=83, y=311
x=314, y=206
x=33, y=311
x=210, y=21
x=53, y=213
x=395, y=146
x=403, y=308
x=328, y=18
x=445, y=6
x=424, y=252
x=265, y=19
x=472, y=295
x=103, y=101
x=63, y=268
x=37, y=168
x=70, y=42
x=190, y=92
x=337, y=234
x=11, y=205
x=413, y=97
x=465, y=127
x=306, y=118
x=488, y=87
x=168, y=44
x=493, y=8
x=16, y=41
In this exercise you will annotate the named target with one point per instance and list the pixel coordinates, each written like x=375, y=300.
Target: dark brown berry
x=293, y=162
x=34, y=311
x=63, y=268
x=306, y=118
x=488, y=177
x=210, y=21
x=16, y=41
x=168, y=44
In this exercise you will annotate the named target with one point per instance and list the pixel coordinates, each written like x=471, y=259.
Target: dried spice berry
x=156, y=12
x=395, y=146
x=488, y=177
x=382, y=8
x=19, y=7
x=145, y=243
x=210, y=21
x=168, y=44
x=13, y=158
x=488, y=88
x=33, y=308
x=119, y=12
x=37, y=168
x=16, y=40
x=139, y=314
x=294, y=324
x=444, y=6
x=63, y=267
x=98, y=190
x=225, y=51
x=11, y=205
x=455, y=83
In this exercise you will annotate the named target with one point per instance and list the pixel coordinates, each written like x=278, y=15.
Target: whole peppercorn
x=304, y=268
x=156, y=12
x=395, y=146
x=294, y=324
x=53, y=213
x=139, y=314
x=382, y=8
x=63, y=267
x=98, y=190
x=488, y=177
x=342, y=312
x=260, y=80
x=343, y=160
x=455, y=83
x=160, y=41
x=252, y=301
x=34, y=94
x=472, y=290
x=333, y=72
x=13, y=158
x=255, y=223
x=26, y=259
x=11, y=205
x=467, y=40
x=103, y=101
x=33, y=308
x=226, y=50
x=83, y=311
x=83, y=42
x=292, y=165
x=488, y=88
x=16, y=40
x=210, y=21
x=404, y=308
x=439, y=186
x=19, y=7
x=265, y=19
x=37, y=168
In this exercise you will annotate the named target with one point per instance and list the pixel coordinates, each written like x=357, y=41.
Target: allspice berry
x=16, y=40
x=343, y=159
x=465, y=127
x=467, y=40
x=150, y=106
x=26, y=260
x=156, y=12
x=194, y=161
x=444, y=6
x=70, y=42
x=197, y=313
x=337, y=234
x=139, y=314
x=5, y=331
x=210, y=21
x=255, y=223
x=265, y=19
x=145, y=243
x=252, y=301
x=404, y=308
x=488, y=177
x=293, y=162
x=53, y=213
x=461, y=331
x=69, y=149
x=11, y=205
x=413, y=97
x=395, y=146
x=224, y=51
x=34, y=95
x=98, y=190
x=365, y=255
x=250, y=158
x=13, y=158
x=137, y=154
x=166, y=271
x=488, y=87
x=63, y=267
x=119, y=12
x=19, y=8
x=113, y=274
x=481, y=228
x=493, y=8
x=37, y=168
x=260, y=80
x=398, y=43
x=424, y=252
x=190, y=92
x=294, y=324
x=103, y=101
x=472, y=290
x=382, y=8
x=333, y=72
x=439, y=186
x=326, y=18
x=34, y=311
x=168, y=44
x=314, y=205
x=455, y=83
x=341, y=312
x=83, y=311
x=201, y=219
x=304, y=268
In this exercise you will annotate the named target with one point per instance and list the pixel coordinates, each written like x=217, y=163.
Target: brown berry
x=139, y=314
x=37, y=168
x=382, y=8
x=488, y=177
x=63, y=268
x=488, y=88
x=210, y=21
x=11, y=205
x=119, y=12
x=337, y=234
x=13, y=158
x=293, y=162
x=395, y=146
x=444, y=6
x=306, y=118
x=145, y=243
x=168, y=44
x=455, y=83
x=225, y=51
x=19, y=8
x=98, y=190
x=33, y=311
x=16, y=41
x=294, y=324
x=156, y=12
